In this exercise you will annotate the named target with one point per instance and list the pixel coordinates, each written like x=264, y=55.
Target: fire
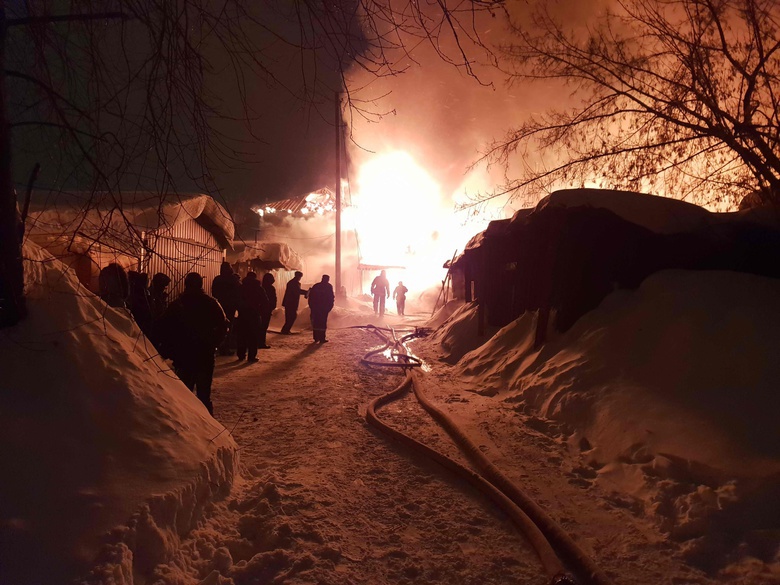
x=402, y=219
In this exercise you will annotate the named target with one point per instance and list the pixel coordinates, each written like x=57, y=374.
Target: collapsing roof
x=315, y=203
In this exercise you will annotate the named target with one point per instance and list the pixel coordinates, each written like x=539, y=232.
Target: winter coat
x=321, y=298
x=138, y=300
x=225, y=289
x=158, y=299
x=113, y=285
x=292, y=295
x=193, y=325
x=380, y=286
x=253, y=300
x=270, y=292
x=400, y=292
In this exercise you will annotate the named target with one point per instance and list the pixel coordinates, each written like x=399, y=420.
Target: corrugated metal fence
x=188, y=247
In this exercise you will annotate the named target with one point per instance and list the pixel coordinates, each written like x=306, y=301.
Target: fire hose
x=543, y=533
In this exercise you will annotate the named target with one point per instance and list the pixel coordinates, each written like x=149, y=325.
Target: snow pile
x=95, y=434
x=669, y=392
x=457, y=329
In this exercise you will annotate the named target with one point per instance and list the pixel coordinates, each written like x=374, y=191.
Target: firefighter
x=399, y=295
x=380, y=288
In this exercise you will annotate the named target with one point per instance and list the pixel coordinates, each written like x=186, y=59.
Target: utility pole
x=338, y=194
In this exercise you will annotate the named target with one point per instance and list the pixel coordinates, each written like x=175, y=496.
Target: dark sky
x=436, y=112
x=275, y=143
x=292, y=152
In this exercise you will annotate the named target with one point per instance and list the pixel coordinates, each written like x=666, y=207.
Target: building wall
x=188, y=247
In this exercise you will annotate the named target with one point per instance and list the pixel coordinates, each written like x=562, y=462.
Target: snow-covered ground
x=646, y=430
x=668, y=394
x=95, y=435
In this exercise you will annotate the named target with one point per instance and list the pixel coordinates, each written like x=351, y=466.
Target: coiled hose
x=537, y=527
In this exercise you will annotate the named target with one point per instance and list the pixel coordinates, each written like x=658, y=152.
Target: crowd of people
x=195, y=327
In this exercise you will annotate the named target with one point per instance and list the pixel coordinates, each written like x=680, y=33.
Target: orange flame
x=402, y=219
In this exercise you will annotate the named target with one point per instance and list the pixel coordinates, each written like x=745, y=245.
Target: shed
x=570, y=251
x=143, y=231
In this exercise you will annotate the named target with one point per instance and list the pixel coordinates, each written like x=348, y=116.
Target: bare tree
x=676, y=96
x=126, y=95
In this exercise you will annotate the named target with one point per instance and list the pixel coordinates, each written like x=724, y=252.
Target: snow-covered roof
x=272, y=255
x=111, y=218
x=662, y=215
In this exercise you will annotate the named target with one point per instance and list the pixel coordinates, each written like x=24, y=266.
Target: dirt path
x=327, y=500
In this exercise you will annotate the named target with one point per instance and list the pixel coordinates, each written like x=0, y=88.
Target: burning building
x=303, y=230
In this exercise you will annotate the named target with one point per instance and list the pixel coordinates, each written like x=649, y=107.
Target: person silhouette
x=191, y=329
x=291, y=300
x=321, y=300
x=225, y=288
x=399, y=294
x=114, y=285
x=138, y=300
x=270, y=292
x=380, y=288
x=252, y=304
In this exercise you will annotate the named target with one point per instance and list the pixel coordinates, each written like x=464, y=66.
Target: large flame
x=402, y=219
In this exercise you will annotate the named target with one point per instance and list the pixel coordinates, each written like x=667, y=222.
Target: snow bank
x=457, y=330
x=94, y=432
x=670, y=393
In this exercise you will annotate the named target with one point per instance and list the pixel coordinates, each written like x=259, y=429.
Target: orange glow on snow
x=403, y=219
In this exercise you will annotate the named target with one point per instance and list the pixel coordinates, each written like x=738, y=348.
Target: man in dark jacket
x=191, y=329
x=292, y=296
x=321, y=299
x=253, y=302
x=225, y=288
x=265, y=317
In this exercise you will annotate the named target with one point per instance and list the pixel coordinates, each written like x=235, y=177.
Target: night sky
x=436, y=111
